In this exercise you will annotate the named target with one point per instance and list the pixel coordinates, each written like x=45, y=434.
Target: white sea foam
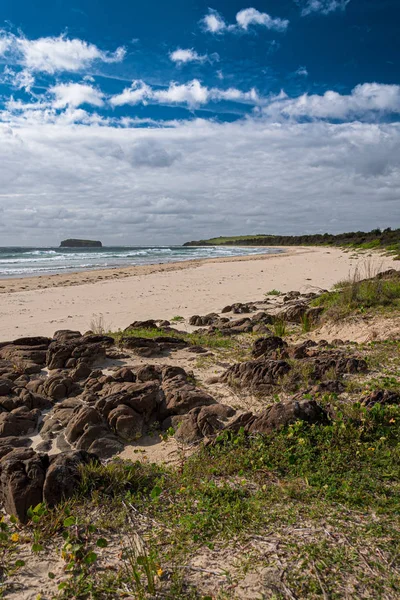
x=24, y=262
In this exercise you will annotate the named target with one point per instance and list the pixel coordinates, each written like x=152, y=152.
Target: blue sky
x=158, y=122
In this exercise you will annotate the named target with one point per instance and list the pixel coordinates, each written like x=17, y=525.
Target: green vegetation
x=177, y=319
x=280, y=327
x=387, y=240
x=273, y=293
x=359, y=295
x=326, y=496
x=208, y=340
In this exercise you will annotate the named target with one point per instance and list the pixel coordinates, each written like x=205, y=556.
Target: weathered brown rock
x=266, y=346
x=85, y=349
x=8, y=444
x=20, y=421
x=64, y=475
x=28, y=355
x=381, y=397
x=256, y=375
x=283, y=414
x=202, y=422
x=22, y=475
x=86, y=415
x=181, y=396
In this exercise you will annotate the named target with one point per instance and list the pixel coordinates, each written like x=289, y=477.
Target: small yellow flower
x=15, y=537
x=160, y=572
x=392, y=421
x=371, y=449
x=182, y=489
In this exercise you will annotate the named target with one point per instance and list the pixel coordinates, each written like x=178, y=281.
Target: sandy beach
x=42, y=305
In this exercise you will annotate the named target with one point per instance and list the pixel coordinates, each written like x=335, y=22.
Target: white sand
x=164, y=291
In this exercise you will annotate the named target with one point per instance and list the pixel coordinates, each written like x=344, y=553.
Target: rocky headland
x=71, y=243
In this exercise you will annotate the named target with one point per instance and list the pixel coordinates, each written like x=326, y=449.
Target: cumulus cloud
x=76, y=94
x=321, y=6
x=183, y=56
x=55, y=54
x=192, y=94
x=199, y=178
x=366, y=101
x=213, y=22
x=251, y=16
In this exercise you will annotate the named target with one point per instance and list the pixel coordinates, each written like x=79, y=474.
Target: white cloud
x=214, y=23
x=76, y=94
x=54, y=54
x=4, y=44
x=19, y=80
x=366, y=101
x=139, y=92
x=182, y=56
x=302, y=71
x=192, y=94
x=251, y=16
x=322, y=6
x=195, y=180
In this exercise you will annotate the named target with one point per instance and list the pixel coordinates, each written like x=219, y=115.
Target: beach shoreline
x=45, y=304
x=84, y=276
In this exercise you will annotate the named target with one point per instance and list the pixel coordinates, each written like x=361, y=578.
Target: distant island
x=388, y=239
x=80, y=244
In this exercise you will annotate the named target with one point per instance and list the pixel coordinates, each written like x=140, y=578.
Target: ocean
x=28, y=262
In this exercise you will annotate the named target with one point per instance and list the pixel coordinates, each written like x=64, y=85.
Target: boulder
x=85, y=349
x=257, y=375
x=19, y=421
x=22, y=476
x=267, y=346
x=202, y=422
x=293, y=313
x=64, y=475
x=181, y=396
x=27, y=354
x=143, y=398
x=86, y=415
x=8, y=444
x=283, y=414
x=381, y=397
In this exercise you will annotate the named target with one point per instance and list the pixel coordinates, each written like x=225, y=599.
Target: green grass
x=214, y=340
x=273, y=293
x=360, y=295
x=328, y=495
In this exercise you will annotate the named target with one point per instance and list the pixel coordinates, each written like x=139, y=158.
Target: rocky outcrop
x=180, y=395
x=19, y=421
x=68, y=349
x=280, y=415
x=268, y=347
x=22, y=475
x=64, y=475
x=381, y=397
x=157, y=346
x=200, y=422
x=257, y=375
x=25, y=355
x=28, y=478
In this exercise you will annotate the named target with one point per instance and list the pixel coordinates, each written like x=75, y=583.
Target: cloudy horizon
x=159, y=125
